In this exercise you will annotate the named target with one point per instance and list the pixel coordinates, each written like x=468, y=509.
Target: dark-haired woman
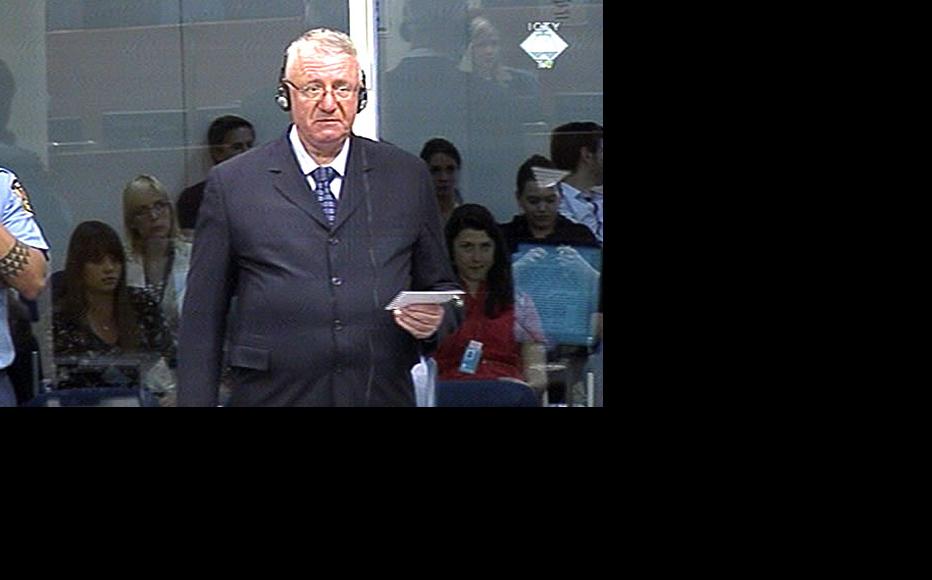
x=508, y=329
x=94, y=313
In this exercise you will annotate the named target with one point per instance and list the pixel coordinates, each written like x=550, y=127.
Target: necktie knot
x=323, y=175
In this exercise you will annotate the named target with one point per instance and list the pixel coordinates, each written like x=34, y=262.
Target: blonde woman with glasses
x=157, y=258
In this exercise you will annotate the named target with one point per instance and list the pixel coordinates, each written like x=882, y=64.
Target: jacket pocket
x=249, y=357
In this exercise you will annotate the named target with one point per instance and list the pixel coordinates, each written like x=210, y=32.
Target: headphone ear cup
x=281, y=98
x=363, y=99
x=363, y=93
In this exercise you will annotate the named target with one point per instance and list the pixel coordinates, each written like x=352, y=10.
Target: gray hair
x=321, y=41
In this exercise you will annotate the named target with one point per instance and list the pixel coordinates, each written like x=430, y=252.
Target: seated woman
x=540, y=219
x=508, y=329
x=157, y=258
x=541, y=222
x=95, y=315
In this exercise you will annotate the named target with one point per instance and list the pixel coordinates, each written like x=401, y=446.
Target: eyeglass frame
x=324, y=90
x=143, y=211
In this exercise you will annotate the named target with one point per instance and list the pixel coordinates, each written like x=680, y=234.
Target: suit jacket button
x=338, y=325
x=333, y=241
x=336, y=280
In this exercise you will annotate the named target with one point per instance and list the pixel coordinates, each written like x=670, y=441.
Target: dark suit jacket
x=425, y=97
x=309, y=325
x=189, y=201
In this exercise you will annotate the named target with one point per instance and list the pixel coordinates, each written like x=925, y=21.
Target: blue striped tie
x=322, y=178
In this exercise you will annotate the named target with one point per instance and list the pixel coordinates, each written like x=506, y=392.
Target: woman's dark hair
x=91, y=241
x=525, y=173
x=440, y=145
x=498, y=283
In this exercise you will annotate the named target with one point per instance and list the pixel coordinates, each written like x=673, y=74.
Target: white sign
x=544, y=45
x=547, y=177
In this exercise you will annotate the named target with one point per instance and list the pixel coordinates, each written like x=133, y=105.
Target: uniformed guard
x=23, y=261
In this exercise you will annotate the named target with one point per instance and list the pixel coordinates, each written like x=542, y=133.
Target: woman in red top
x=508, y=330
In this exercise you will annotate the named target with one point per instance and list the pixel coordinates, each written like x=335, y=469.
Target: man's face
x=445, y=173
x=597, y=162
x=235, y=141
x=540, y=205
x=323, y=122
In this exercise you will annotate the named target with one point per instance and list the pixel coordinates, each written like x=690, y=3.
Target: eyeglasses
x=155, y=210
x=315, y=92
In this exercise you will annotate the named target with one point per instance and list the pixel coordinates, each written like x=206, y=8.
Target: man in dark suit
x=314, y=233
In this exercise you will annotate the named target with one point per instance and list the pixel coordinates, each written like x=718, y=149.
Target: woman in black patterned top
x=94, y=313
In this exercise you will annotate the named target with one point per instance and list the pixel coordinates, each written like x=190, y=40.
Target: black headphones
x=284, y=101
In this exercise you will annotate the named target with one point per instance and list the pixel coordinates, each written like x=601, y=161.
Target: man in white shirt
x=577, y=148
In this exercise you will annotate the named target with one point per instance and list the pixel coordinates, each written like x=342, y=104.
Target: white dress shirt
x=308, y=164
x=582, y=207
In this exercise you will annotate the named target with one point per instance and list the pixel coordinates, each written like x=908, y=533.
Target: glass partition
x=493, y=77
x=105, y=107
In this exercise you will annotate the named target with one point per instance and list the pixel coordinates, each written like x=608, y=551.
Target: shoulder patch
x=20, y=191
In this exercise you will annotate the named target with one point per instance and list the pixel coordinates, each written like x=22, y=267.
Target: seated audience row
x=113, y=300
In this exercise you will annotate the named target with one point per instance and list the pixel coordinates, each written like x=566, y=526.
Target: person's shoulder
x=11, y=190
x=512, y=227
x=257, y=158
x=7, y=178
x=521, y=73
x=385, y=152
x=192, y=190
x=577, y=228
x=577, y=231
x=584, y=235
x=522, y=77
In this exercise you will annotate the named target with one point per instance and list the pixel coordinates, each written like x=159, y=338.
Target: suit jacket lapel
x=288, y=180
x=353, y=192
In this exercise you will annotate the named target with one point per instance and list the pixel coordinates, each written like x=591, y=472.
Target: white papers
x=424, y=375
x=547, y=177
x=408, y=297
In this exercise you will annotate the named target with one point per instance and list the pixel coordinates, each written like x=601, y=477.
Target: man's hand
x=420, y=320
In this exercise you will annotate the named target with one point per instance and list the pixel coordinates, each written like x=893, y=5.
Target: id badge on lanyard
x=471, y=357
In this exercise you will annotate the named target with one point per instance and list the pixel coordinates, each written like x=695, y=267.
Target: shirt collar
x=307, y=163
x=579, y=194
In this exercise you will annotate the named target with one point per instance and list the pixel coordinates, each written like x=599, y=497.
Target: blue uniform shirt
x=18, y=219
